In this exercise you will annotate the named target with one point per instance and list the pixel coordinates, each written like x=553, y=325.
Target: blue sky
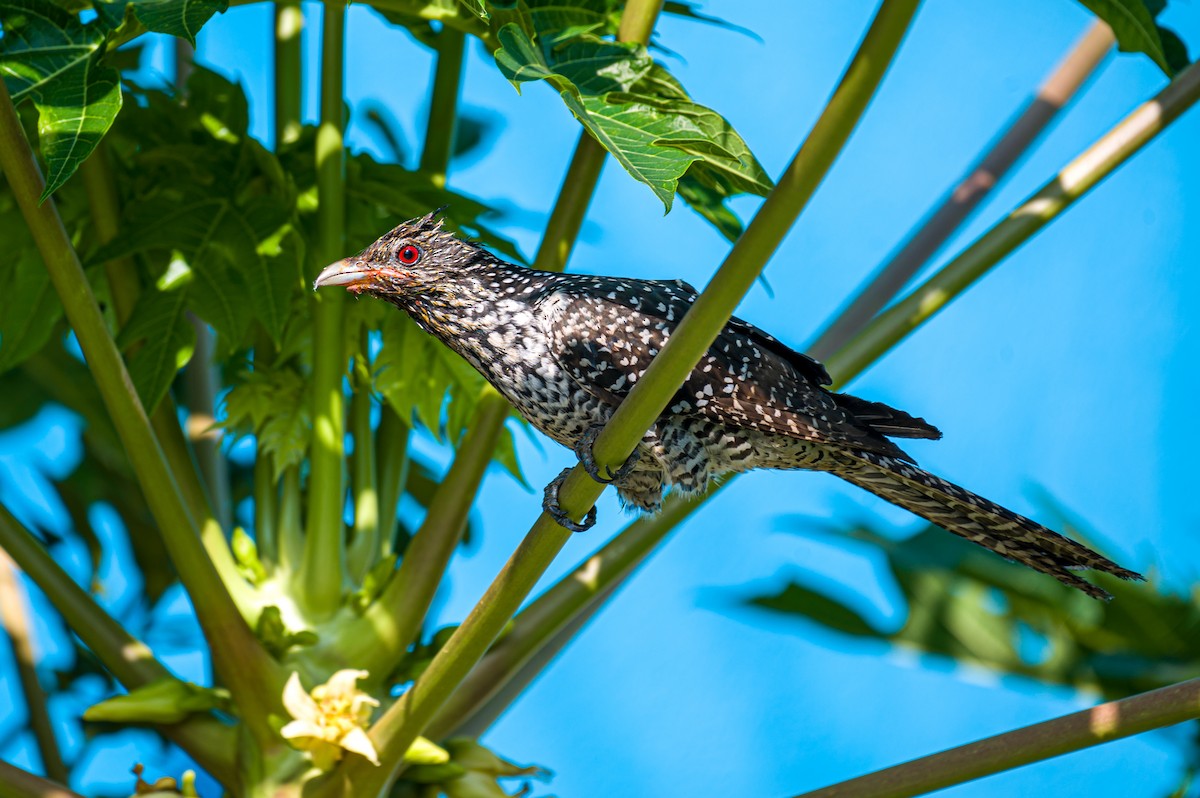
x=1070, y=369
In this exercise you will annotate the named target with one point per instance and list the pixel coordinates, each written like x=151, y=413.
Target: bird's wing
x=605, y=332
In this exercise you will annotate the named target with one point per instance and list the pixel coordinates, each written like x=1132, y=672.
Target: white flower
x=330, y=721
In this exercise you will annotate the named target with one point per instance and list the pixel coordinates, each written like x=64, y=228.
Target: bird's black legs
x=552, y=508
x=583, y=450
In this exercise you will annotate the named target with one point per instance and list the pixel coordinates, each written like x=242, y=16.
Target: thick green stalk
x=1100, y=724
x=238, y=658
x=201, y=385
x=128, y=659
x=291, y=541
x=288, y=82
x=324, y=568
x=289, y=71
x=14, y=616
x=391, y=443
x=18, y=783
x=1079, y=176
x=443, y=106
x=396, y=730
x=394, y=621
x=541, y=630
x=266, y=511
x=104, y=205
x=578, y=188
x=364, y=548
x=958, y=205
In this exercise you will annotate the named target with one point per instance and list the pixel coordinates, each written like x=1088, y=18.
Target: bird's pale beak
x=355, y=275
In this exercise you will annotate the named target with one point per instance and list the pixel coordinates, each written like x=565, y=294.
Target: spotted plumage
x=566, y=349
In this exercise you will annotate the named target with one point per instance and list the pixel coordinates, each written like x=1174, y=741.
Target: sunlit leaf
x=638, y=112
x=165, y=339
x=48, y=56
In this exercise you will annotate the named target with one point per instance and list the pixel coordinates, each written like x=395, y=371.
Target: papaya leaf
x=31, y=307
x=637, y=111
x=48, y=56
x=272, y=404
x=969, y=605
x=159, y=323
x=182, y=18
x=1134, y=27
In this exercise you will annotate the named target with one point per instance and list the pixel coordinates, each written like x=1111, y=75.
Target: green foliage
x=632, y=106
x=164, y=701
x=1133, y=23
x=212, y=209
x=273, y=405
x=972, y=606
x=275, y=635
x=32, y=308
x=48, y=56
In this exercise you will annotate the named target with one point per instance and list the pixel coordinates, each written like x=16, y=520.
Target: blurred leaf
x=164, y=701
x=1134, y=27
x=972, y=606
x=796, y=599
x=271, y=404
x=276, y=637
x=48, y=56
x=182, y=18
x=31, y=306
x=159, y=323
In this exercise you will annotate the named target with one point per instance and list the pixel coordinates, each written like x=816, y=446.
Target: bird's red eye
x=409, y=254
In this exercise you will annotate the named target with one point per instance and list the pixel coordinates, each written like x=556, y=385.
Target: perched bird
x=564, y=349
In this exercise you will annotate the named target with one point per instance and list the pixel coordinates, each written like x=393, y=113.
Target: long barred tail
x=975, y=518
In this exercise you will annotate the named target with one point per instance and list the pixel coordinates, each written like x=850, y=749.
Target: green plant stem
x=1079, y=176
x=323, y=571
x=14, y=616
x=570, y=209
x=266, y=511
x=18, y=783
x=443, y=106
x=395, y=619
x=399, y=726
x=1100, y=724
x=238, y=659
x=128, y=659
x=200, y=385
x=289, y=71
x=541, y=630
x=391, y=443
x=104, y=205
x=958, y=205
x=288, y=83
x=364, y=548
x=291, y=539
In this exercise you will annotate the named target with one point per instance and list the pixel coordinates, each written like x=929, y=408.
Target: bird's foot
x=554, y=510
x=583, y=450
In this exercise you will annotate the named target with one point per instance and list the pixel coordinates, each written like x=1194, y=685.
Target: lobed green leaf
x=49, y=57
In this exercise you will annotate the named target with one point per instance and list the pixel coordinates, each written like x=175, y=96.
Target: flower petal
x=344, y=683
x=357, y=741
x=298, y=702
x=300, y=730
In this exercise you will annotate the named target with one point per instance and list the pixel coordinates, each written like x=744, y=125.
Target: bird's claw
x=554, y=510
x=583, y=450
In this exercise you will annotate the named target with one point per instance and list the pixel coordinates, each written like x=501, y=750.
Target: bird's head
x=416, y=258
